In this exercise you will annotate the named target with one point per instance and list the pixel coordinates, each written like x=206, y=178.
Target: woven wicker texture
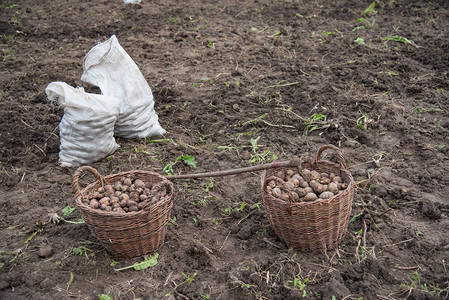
x=315, y=226
x=132, y=234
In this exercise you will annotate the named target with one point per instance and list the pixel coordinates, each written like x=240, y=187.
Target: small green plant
x=226, y=212
x=199, y=81
x=104, y=297
x=149, y=261
x=370, y=9
x=188, y=159
x=363, y=122
x=300, y=283
x=419, y=111
x=242, y=206
x=188, y=280
x=68, y=210
x=210, y=44
x=359, y=41
x=81, y=251
x=257, y=157
x=209, y=185
x=399, y=39
x=69, y=283
x=172, y=221
x=418, y=233
x=416, y=283
x=38, y=227
x=316, y=122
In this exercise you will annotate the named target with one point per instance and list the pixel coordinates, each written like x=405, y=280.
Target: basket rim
x=99, y=212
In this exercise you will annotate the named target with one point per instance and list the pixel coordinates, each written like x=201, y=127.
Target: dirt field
x=236, y=83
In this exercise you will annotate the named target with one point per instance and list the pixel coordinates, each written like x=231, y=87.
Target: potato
x=143, y=197
x=325, y=180
x=332, y=187
x=124, y=197
x=326, y=195
x=284, y=197
x=306, y=174
x=295, y=197
x=294, y=181
x=276, y=192
x=337, y=179
x=139, y=184
x=130, y=203
x=133, y=208
x=94, y=204
x=310, y=197
x=314, y=175
x=344, y=186
x=104, y=200
x=114, y=200
x=127, y=182
x=301, y=192
x=117, y=186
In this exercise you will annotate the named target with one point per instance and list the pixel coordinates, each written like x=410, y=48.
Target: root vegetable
x=333, y=187
x=130, y=203
x=314, y=175
x=133, y=208
x=326, y=195
x=310, y=197
x=94, y=204
x=276, y=192
x=104, y=200
x=139, y=184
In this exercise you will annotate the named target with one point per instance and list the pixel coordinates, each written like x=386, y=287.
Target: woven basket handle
x=289, y=193
x=77, y=174
x=341, y=160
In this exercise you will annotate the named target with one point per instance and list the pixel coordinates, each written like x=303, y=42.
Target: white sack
x=86, y=130
x=109, y=67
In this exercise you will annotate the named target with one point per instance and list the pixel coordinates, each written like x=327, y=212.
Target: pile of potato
x=125, y=195
x=306, y=186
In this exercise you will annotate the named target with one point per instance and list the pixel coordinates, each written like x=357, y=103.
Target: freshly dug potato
x=306, y=185
x=126, y=194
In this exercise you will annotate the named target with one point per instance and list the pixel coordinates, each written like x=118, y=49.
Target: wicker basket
x=132, y=234
x=315, y=226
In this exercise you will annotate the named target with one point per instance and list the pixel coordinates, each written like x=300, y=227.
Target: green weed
x=316, y=122
x=370, y=9
x=188, y=159
x=359, y=41
x=300, y=283
x=149, y=261
x=399, y=39
x=363, y=122
x=82, y=251
x=416, y=283
x=209, y=186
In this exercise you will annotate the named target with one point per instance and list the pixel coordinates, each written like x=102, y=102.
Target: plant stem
x=281, y=164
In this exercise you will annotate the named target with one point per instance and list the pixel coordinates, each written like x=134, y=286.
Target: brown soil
x=217, y=67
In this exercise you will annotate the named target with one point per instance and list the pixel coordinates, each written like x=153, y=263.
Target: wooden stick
x=281, y=164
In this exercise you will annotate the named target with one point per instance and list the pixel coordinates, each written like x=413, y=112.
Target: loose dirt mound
x=236, y=83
